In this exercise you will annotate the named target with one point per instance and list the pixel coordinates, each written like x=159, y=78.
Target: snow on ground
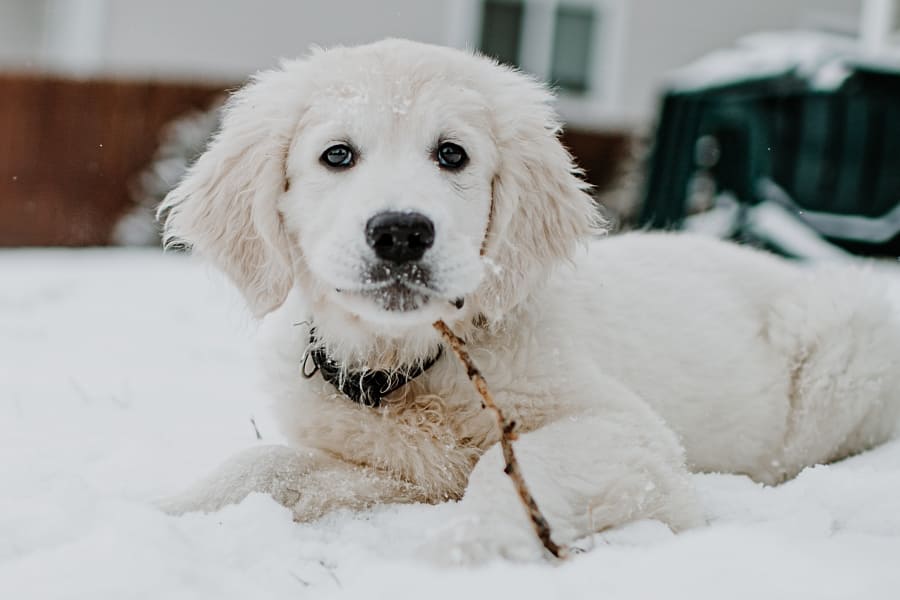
x=125, y=375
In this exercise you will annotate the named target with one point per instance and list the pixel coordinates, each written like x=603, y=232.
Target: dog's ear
x=541, y=205
x=225, y=207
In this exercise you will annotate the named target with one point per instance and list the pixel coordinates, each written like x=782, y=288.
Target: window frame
x=599, y=102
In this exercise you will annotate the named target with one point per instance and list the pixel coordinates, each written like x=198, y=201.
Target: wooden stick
x=507, y=435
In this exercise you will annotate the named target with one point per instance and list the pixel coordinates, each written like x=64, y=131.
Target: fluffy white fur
x=625, y=361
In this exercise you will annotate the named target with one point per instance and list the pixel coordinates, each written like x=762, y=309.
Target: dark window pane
x=501, y=30
x=573, y=38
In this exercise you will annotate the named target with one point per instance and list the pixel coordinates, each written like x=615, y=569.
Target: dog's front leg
x=604, y=466
x=308, y=481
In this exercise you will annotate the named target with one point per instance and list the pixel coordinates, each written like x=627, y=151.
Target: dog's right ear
x=225, y=207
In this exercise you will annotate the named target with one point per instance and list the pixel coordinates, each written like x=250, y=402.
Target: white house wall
x=665, y=34
x=231, y=38
x=20, y=32
x=228, y=39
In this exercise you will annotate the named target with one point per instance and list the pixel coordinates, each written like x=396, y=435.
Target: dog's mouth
x=398, y=296
x=400, y=289
x=397, y=288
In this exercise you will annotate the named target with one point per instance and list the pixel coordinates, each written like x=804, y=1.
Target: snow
x=827, y=60
x=125, y=375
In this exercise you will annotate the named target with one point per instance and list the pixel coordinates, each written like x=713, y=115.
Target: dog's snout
x=400, y=237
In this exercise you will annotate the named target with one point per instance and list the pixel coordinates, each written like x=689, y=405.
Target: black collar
x=363, y=387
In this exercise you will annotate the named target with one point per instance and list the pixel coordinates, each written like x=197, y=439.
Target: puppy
x=369, y=191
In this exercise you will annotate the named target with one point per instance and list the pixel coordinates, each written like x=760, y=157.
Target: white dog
x=370, y=191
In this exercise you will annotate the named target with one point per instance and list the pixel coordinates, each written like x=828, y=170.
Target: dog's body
x=624, y=362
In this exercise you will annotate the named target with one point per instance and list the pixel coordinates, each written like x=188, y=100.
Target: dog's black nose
x=400, y=236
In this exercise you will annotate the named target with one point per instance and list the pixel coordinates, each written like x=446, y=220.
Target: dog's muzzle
x=399, y=241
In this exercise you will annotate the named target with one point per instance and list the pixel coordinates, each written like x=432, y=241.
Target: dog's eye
x=451, y=156
x=338, y=156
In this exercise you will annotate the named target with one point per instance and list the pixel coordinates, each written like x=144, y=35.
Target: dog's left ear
x=226, y=206
x=541, y=205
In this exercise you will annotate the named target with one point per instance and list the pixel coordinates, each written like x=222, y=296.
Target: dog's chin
x=393, y=305
x=398, y=298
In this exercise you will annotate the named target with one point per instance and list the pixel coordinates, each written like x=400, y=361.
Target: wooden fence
x=70, y=148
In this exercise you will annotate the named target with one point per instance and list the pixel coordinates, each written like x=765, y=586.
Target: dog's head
x=394, y=183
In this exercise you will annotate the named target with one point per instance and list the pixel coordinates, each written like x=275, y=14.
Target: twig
x=330, y=571
x=299, y=579
x=507, y=435
x=255, y=428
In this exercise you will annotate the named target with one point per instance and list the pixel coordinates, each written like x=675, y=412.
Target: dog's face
x=394, y=184
x=389, y=193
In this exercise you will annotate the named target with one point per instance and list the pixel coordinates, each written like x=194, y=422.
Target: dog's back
x=761, y=366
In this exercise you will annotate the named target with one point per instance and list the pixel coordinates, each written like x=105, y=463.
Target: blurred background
x=773, y=121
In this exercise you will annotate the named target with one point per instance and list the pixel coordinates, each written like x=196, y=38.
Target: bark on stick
x=507, y=435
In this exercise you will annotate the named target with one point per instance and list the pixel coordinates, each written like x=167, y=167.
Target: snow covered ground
x=125, y=375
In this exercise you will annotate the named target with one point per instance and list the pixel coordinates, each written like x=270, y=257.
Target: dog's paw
x=277, y=471
x=477, y=540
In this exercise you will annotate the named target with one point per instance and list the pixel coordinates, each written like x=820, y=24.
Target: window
x=575, y=45
x=565, y=42
x=572, y=47
x=501, y=30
